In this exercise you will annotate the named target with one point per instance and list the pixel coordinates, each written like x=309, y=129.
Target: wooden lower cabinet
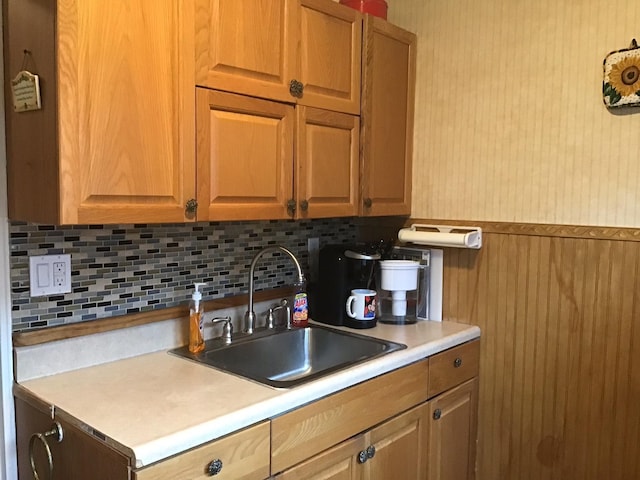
x=395, y=449
x=242, y=455
x=453, y=433
x=77, y=456
x=337, y=463
x=401, y=447
x=416, y=422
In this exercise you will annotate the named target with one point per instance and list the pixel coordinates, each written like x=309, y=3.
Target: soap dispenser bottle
x=196, y=318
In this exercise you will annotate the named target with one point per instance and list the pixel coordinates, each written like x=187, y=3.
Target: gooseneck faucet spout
x=250, y=316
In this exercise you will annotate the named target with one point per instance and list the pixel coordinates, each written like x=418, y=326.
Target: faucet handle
x=283, y=305
x=271, y=318
x=227, y=330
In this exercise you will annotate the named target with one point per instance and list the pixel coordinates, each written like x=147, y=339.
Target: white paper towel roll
x=469, y=239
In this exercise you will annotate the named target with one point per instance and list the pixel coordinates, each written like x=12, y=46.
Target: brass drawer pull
x=457, y=362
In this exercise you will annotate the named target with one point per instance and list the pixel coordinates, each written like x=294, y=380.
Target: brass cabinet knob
x=191, y=206
x=291, y=206
x=437, y=413
x=457, y=363
x=368, y=202
x=296, y=88
x=304, y=205
x=214, y=467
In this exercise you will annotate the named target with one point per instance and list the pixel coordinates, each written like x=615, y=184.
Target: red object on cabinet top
x=374, y=7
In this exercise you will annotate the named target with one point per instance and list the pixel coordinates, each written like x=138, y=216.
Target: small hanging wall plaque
x=26, y=92
x=621, y=85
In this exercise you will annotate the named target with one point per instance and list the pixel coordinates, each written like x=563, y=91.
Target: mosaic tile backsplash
x=123, y=269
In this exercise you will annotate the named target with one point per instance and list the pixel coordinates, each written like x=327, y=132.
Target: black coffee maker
x=341, y=268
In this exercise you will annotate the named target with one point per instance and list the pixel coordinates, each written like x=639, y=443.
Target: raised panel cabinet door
x=247, y=46
x=330, y=56
x=387, y=118
x=79, y=456
x=399, y=447
x=244, y=157
x=337, y=463
x=126, y=110
x=113, y=141
x=452, y=433
x=327, y=161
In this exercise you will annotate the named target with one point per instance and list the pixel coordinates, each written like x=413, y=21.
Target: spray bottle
x=300, y=305
x=196, y=318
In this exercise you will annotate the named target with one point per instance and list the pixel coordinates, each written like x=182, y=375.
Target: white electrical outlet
x=49, y=274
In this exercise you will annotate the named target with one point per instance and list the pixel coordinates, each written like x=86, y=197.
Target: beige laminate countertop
x=156, y=405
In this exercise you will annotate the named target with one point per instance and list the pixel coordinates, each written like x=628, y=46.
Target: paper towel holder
x=442, y=235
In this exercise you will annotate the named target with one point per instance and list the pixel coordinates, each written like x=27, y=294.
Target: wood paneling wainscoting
x=559, y=309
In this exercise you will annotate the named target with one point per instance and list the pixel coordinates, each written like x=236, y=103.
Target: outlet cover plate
x=49, y=274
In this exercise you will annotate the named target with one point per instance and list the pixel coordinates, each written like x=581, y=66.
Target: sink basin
x=288, y=358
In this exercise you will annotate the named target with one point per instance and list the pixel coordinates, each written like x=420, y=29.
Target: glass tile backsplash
x=123, y=269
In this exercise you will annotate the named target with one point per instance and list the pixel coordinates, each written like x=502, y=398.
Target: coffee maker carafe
x=342, y=268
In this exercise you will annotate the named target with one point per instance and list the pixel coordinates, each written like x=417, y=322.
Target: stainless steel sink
x=288, y=358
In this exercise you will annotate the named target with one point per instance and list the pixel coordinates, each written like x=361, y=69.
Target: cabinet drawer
x=301, y=433
x=244, y=455
x=452, y=367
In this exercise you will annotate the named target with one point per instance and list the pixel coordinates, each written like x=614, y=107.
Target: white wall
x=510, y=122
x=8, y=469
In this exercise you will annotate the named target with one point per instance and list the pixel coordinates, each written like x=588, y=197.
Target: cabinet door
x=327, y=163
x=113, y=142
x=337, y=463
x=244, y=156
x=126, y=110
x=77, y=456
x=247, y=46
x=330, y=56
x=400, y=447
x=452, y=433
x=387, y=116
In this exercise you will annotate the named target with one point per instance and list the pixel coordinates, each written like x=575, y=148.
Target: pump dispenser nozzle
x=197, y=294
x=196, y=313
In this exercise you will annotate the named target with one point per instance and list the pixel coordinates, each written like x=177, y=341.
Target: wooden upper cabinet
x=387, y=117
x=113, y=142
x=258, y=47
x=245, y=157
x=246, y=46
x=327, y=158
x=330, y=56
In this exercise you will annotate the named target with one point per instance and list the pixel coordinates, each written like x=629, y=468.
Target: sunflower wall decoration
x=621, y=85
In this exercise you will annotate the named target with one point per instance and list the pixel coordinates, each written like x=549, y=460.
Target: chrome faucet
x=250, y=316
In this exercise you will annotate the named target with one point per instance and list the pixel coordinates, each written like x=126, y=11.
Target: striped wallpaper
x=510, y=122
